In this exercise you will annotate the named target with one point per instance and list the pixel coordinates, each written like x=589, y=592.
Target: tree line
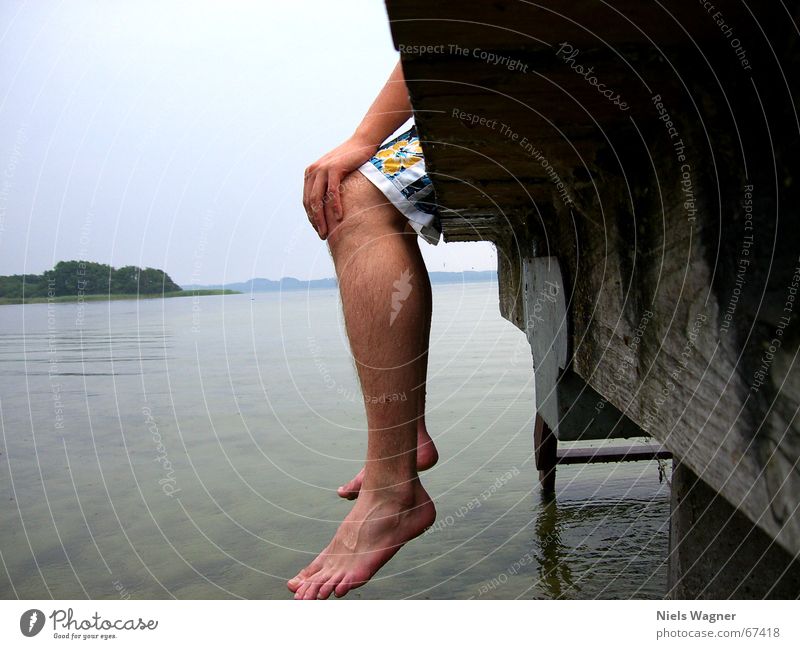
x=79, y=277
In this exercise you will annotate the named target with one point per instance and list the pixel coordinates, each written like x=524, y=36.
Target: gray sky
x=175, y=134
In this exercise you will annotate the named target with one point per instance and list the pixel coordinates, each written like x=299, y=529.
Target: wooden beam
x=632, y=453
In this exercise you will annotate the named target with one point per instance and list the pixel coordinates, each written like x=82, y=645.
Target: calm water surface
x=191, y=448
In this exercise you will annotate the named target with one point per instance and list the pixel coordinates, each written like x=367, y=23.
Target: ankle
x=402, y=493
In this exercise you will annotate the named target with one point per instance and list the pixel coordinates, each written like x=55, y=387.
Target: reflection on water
x=603, y=554
x=191, y=448
x=552, y=556
x=67, y=352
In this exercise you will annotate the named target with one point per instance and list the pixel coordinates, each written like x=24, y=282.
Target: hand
x=323, y=179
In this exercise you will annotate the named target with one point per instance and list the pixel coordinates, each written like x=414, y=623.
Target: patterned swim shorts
x=398, y=170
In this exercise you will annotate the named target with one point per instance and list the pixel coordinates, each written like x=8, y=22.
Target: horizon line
x=317, y=279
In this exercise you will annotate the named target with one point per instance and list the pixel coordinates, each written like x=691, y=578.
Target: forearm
x=389, y=110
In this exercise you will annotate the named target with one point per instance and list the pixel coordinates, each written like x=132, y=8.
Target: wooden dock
x=637, y=166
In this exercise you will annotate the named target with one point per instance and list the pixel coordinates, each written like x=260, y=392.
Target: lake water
x=191, y=448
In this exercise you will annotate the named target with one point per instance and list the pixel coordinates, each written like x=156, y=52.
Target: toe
x=342, y=588
x=299, y=579
x=348, y=491
x=314, y=586
x=327, y=588
x=302, y=590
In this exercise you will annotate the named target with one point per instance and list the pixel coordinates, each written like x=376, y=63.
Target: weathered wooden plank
x=633, y=453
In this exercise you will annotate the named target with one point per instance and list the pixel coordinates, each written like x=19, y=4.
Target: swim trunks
x=398, y=170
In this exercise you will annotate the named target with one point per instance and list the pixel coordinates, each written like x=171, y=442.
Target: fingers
x=322, y=199
x=308, y=183
x=317, y=205
x=334, y=201
x=312, y=204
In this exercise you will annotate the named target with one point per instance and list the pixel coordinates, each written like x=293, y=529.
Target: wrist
x=367, y=140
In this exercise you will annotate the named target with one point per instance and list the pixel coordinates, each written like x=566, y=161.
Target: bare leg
x=381, y=281
x=427, y=455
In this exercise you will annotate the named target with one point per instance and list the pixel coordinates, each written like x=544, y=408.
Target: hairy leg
x=381, y=280
x=427, y=455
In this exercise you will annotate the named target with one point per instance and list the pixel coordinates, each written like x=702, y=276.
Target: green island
x=79, y=280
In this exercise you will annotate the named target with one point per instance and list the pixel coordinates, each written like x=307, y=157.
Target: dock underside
x=636, y=166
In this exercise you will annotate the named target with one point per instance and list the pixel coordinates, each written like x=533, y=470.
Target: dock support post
x=546, y=328
x=545, y=447
x=717, y=553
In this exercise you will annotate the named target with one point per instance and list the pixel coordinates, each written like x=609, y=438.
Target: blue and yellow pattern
x=398, y=170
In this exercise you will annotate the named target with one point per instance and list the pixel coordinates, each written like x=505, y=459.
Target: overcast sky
x=175, y=134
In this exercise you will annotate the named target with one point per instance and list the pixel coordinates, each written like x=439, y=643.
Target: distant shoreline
x=109, y=297
x=263, y=285
x=252, y=286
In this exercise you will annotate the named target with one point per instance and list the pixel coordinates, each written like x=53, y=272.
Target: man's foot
x=427, y=456
x=372, y=533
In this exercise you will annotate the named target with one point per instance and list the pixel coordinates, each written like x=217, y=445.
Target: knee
x=366, y=212
x=351, y=199
x=358, y=195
